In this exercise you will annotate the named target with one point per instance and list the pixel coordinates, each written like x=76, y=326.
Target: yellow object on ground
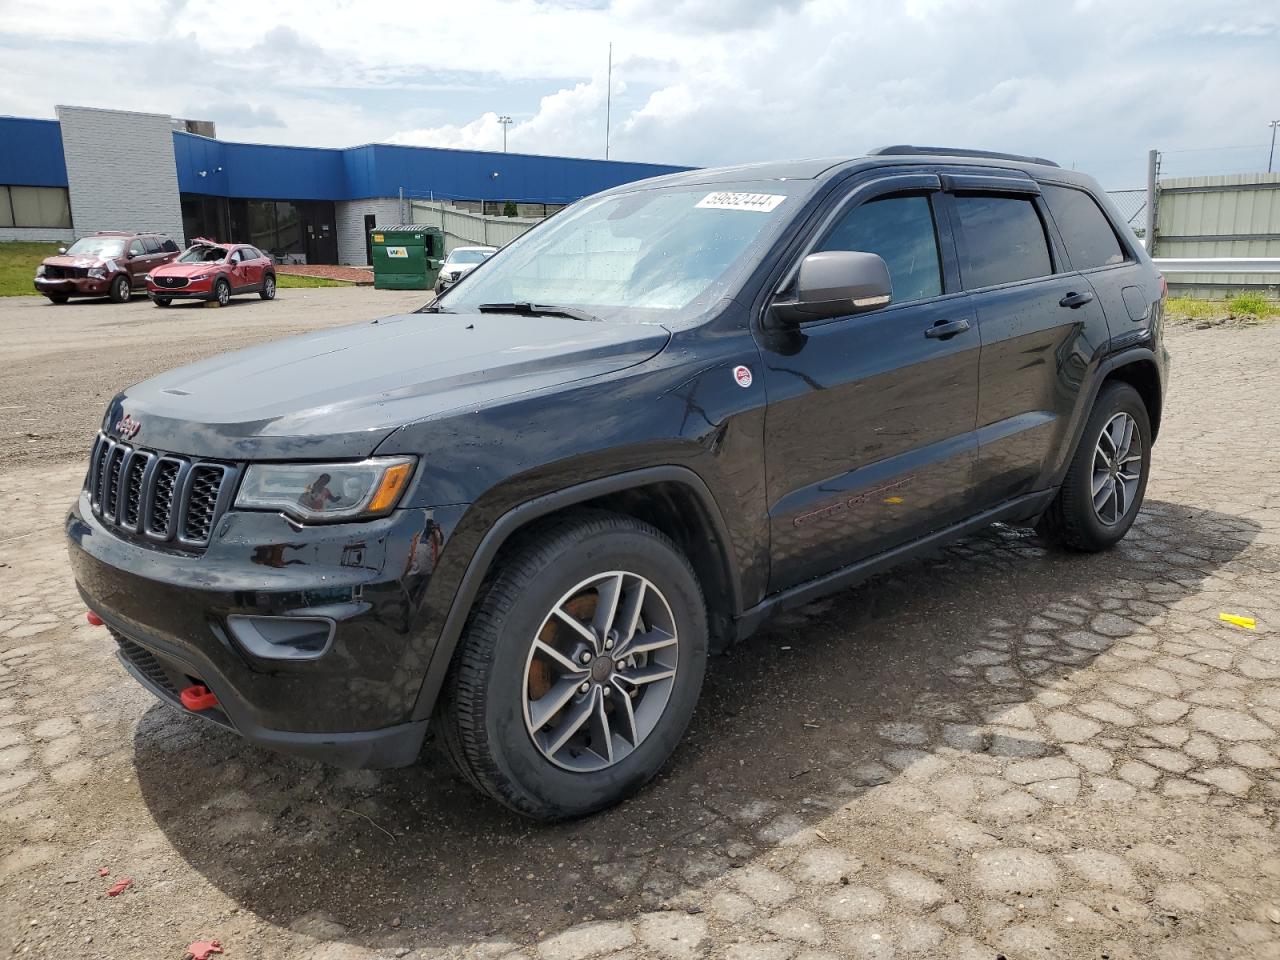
x=1247, y=622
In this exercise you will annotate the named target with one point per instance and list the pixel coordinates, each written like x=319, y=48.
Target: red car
x=109, y=263
x=213, y=271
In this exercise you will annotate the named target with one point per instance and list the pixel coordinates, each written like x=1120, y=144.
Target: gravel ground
x=1000, y=751
x=63, y=364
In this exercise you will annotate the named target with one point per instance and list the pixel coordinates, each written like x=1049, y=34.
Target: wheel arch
x=673, y=499
x=1143, y=375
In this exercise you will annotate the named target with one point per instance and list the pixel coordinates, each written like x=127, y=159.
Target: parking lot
x=1001, y=751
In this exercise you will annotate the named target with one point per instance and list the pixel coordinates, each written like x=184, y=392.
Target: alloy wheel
x=1117, y=469
x=270, y=288
x=224, y=294
x=600, y=671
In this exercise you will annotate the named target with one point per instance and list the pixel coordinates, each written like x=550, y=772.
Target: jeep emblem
x=127, y=427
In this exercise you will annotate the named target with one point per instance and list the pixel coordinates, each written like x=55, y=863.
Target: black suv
x=524, y=515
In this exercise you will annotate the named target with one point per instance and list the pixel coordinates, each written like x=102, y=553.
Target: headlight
x=40, y=270
x=326, y=491
x=199, y=276
x=98, y=273
x=147, y=278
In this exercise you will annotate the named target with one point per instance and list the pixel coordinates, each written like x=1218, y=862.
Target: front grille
x=158, y=496
x=171, y=283
x=146, y=664
x=65, y=273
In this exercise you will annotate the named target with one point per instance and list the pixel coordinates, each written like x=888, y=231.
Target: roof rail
x=908, y=150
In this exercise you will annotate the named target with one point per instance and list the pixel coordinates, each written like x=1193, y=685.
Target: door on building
x=370, y=221
x=321, y=242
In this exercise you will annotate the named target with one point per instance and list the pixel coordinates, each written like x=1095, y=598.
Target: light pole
x=1272, y=155
x=506, y=122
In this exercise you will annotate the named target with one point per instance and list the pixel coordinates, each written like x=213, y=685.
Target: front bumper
x=352, y=704
x=73, y=286
x=199, y=290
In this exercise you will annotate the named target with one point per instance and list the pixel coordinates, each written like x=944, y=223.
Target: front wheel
x=222, y=292
x=1107, y=478
x=268, y=291
x=579, y=667
x=120, y=289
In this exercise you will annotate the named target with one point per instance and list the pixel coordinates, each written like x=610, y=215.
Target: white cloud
x=695, y=81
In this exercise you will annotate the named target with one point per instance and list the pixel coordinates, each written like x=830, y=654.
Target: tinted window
x=169, y=246
x=152, y=244
x=900, y=230
x=135, y=248
x=1085, y=229
x=1003, y=241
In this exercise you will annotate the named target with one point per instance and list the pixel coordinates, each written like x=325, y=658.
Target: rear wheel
x=57, y=297
x=120, y=289
x=579, y=668
x=222, y=292
x=268, y=291
x=1104, y=486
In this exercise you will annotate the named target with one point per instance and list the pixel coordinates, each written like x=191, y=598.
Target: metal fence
x=462, y=228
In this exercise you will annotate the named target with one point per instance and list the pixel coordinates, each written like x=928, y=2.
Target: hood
x=62, y=260
x=340, y=392
x=459, y=268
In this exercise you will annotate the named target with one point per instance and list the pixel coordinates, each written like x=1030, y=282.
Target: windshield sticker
x=759, y=202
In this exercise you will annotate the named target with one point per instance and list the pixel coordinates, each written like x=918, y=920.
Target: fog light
x=283, y=638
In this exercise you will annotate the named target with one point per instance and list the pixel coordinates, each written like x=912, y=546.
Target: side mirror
x=836, y=283
x=62, y=249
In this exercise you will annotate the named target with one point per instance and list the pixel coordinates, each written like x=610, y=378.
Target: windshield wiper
x=433, y=307
x=527, y=309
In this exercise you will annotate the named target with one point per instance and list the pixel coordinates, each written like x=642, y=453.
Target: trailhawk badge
x=128, y=428
x=742, y=375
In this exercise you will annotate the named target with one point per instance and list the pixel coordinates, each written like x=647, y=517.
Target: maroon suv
x=112, y=264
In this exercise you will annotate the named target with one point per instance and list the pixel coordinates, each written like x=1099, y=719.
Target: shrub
x=1251, y=304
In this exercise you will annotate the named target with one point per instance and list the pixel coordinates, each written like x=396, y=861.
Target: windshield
x=470, y=256
x=651, y=254
x=97, y=247
x=203, y=254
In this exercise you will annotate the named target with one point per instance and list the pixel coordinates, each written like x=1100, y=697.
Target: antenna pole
x=608, y=101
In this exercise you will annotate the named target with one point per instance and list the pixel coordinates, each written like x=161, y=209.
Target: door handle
x=1075, y=300
x=946, y=329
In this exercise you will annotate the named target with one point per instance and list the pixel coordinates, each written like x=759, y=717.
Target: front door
x=139, y=263
x=370, y=221
x=869, y=434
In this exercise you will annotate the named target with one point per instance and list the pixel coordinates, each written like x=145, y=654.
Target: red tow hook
x=93, y=618
x=197, y=697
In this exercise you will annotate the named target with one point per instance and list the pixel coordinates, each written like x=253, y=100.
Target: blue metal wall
x=31, y=152
x=380, y=170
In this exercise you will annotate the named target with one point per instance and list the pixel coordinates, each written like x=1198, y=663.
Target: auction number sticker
x=398, y=253
x=759, y=202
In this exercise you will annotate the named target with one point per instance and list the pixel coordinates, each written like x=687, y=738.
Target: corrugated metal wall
x=1236, y=215
x=462, y=228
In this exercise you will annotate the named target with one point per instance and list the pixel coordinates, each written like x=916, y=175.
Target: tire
x=1073, y=520
x=162, y=301
x=222, y=292
x=487, y=711
x=120, y=289
x=268, y=291
x=58, y=298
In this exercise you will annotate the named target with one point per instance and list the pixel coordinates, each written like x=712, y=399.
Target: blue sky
x=704, y=82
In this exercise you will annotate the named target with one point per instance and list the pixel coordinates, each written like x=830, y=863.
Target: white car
x=460, y=262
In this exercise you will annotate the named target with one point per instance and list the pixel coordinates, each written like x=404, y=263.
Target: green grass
x=1251, y=304
x=1192, y=309
x=18, y=262
x=286, y=282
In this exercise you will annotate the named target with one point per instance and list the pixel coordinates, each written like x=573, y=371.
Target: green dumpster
x=406, y=256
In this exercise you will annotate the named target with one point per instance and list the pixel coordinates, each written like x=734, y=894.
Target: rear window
x=1004, y=240
x=151, y=244
x=1085, y=230
x=169, y=246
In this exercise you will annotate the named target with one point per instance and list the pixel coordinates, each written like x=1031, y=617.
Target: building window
x=48, y=207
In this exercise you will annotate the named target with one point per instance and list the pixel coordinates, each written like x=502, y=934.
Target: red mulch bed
x=325, y=271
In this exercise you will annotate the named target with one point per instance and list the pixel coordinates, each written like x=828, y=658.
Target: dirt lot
x=1001, y=751
x=63, y=364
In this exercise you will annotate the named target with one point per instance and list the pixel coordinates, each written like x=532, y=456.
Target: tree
x=509, y=209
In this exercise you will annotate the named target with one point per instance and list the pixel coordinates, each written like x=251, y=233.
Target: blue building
x=109, y=170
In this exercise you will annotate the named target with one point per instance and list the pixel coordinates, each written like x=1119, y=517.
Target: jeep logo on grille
x=127, y=427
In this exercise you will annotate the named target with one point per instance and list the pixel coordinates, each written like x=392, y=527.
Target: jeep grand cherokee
x=524, y=515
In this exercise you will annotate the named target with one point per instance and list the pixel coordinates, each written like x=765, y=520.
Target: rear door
x=1041, y=328
x=869, y=434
